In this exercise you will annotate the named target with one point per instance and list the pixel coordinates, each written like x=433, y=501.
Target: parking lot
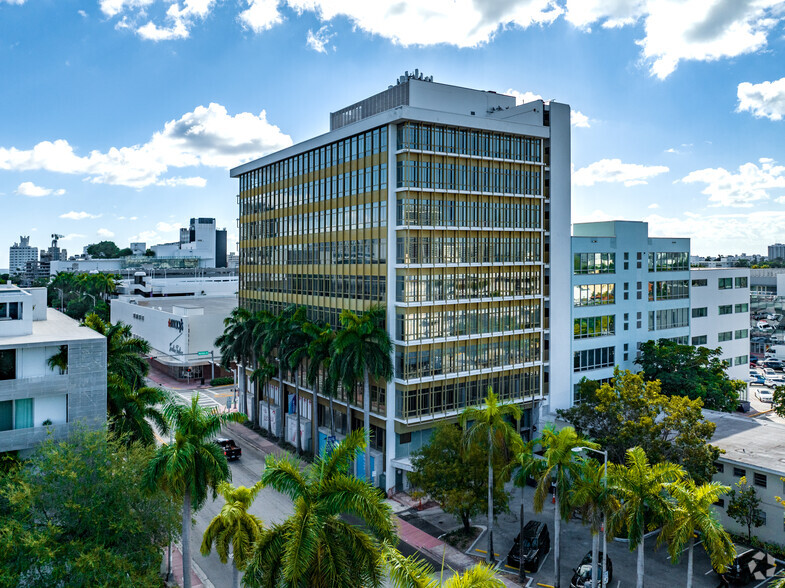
x=661, y=572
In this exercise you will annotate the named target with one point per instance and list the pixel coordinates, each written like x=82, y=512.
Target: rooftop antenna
x=55, y=237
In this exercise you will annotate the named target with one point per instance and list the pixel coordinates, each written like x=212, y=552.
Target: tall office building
x=19, y=254
x=442, y=203
x=776, y=251
x=202, y=239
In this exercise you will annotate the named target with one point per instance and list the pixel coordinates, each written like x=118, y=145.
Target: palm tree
x=640, y=489
x=525, y=465
x=292, y=351
x=270, y=341
x=262, y=376
x=256, y=327
x=362, y=351
x=694, y=512
x=125, y=353
x=489, y=421
x=319, y=359
x=59, y=360
x=234, y=346
x=315, y=546
x=192, y=465
x=234, y=526
x=560, y=467
x=414, y=572
x=131, y=411
x=591, y=496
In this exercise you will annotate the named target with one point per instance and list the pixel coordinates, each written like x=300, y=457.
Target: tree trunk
x=467, y=522
x=241, y=383
x=689, y=560
x=604, y=546
x=235, y=576
x=639, y=583
x=299, y=442
x=269, y=409
x=282, y=394
x=490, y=557
x=556, y=538
x=332, y=418
x=255, y=408
x=595, y=555
x=186, y=537
x=367, y=423
x=521, y=568
x=314, y=421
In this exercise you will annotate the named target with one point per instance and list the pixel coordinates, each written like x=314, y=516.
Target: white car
x=765, y=396
x=769, y=373
x=765, y=326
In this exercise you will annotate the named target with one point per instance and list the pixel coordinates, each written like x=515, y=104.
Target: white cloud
x=114, y=7
x=613, y=170
x=146, y=236
x=463, y=23
x=261, y=15
x=654, y=205
x=178, y=21
x=73, y=215
x=578, y=119
x=105, y=233
x=764, y=99
x=319, y=40
x=133, y=218
x=164, y=227
x=17, y=2
x=72, y=236
x=677, y=30
x=82, y=13
x=30, y=189
x=752, y=183
x=208, y=136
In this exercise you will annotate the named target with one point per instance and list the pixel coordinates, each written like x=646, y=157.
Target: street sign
x=202, y=353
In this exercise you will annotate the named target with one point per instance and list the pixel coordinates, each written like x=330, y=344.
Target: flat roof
x=757, y=442
x=211, y=304
x=56, y=329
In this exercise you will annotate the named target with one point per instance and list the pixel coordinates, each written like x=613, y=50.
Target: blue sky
x=120, y=118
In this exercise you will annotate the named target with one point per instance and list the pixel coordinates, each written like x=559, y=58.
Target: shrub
x=223, y=381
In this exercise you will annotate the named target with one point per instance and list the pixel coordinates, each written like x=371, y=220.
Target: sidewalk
x=177, y=570
x=163, y=379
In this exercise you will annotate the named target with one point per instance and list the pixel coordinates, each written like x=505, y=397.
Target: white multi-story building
x=37, y=399
x=201, y=240
x=628, y=288
x=19, y=254
x=777, y=251
x=138, y=248
x=720, y=315
x=178, y=283
x=451, y=207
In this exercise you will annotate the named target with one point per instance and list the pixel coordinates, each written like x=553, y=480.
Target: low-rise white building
x=628, y=288
x=35, y=398
x=720, y=315
x=181, y=331
x=222, y=283
x=753, y=449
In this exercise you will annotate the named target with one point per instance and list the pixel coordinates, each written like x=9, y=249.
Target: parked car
x=769, y=372
x=749, y=564
x=582, y=576
x=765, y=327
x=231, y=451
x=775, y=364
x=757, y=379
x=765, y=395
x=536, y=545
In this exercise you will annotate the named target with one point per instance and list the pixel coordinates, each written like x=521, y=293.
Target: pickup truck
x=231, y=451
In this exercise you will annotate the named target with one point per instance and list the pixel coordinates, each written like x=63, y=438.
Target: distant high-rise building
x=445, y=205
x=138, y=248
x=200, y=240
x=777, y=251
x=19, y=254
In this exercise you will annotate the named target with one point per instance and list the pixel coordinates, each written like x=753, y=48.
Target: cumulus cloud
x=82, y=13
x=261, y=15
x=74, y=215
x=146, y=237
x=613, y=170
x=106, y=233
x=175, y=23
x=577, y=118
x=752, y=183
x=164, y=227
x=33, y=191
x=463, y=23
x=17, y=2
x=766, y=99
x=319, y=40
x=208, y=136
x=679, y=30
x=654, y=205
x=72, y=236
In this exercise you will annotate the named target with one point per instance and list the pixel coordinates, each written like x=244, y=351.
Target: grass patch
x=462, y=539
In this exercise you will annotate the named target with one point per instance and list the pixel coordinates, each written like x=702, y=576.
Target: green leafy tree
x=744, y=507
x=76, y=514
x=293, y=351
x=191, y=466
x=316, y=546
x=125, y=353
x=125, y=252
x=559, y=468
x=456, y=475
x=103, y=250
x=271, y=340
x=234, y=527
x=778, y=403
x=132, y=412
x=234, y=345
x=149, y=253
x=631, y=412
x=525, y=466
x=362, y=350
x=414, y=572
x=643, y=501
x=489, y=426
x=694, y=512
x=695, y=372
x=59, y=361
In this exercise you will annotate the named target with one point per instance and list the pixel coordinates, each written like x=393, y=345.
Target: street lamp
x=604, y=514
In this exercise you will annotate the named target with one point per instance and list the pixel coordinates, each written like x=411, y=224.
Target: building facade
x=720, y=315
x=19, y=254
x=628, y=288
x=777, y=251
x=441, y=203
x=202, y=239
x=37, y=399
